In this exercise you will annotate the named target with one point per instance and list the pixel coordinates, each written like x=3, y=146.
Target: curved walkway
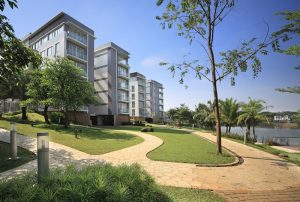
x=260, y=172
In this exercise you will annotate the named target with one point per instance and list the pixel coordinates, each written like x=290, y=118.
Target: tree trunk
x=214, y=81
x=74, y=111
x=46, y=114
x=229, y=129
x=226, y=129
x=24, y=116
x=65, y=117
x=254, y=135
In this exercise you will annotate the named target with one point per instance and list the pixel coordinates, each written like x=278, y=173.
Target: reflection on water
x=265, y=134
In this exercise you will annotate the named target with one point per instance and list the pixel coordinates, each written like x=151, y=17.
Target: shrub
x=138, y=123
x=147, y=129
x=92, y=183
x=126, y=123
x=56, y=117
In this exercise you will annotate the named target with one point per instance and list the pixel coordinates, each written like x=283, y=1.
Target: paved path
x=260, y=172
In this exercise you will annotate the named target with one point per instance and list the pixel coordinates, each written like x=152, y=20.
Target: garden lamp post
x=43, y=154
x=13, y=141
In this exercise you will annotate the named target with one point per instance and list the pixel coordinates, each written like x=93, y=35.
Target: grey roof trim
x=61, y=14
x=111, y=45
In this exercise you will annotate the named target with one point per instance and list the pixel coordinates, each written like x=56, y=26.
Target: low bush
x=150, y=129
x=126, y=123
x=138, y=123
x=93, y=183
x=56, y=117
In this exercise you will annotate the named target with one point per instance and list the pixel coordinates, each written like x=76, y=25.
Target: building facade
x=154, y=101
x=111, y=82
x=137, y=96
x=63, y=36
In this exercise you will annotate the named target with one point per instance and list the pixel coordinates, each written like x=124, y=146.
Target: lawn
x=292, y=157
x=181, y=146
x=5, y=164
x=195, y=195
x=91, y=141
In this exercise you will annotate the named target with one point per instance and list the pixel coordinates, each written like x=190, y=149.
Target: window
x=132, y=88
x=122, y=60
x=122, y=71
x=141, y=88
x=123, y=108
x=43, y=53
x=133, y=104
x=82, y=66
x=76, y=51
x=133, y=112
x=56, y=49
x=133, y=96
x=141, y=96
x=123, y=96
x=77, y=35
x=49, y=51
x=122, y=83
x=141, y=104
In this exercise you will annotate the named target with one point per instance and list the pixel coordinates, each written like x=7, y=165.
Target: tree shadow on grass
x=90, y=133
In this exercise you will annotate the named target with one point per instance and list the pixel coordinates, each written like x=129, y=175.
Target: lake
x=284, y=136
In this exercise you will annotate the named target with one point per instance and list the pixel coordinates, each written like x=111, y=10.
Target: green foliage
x=92, y=183
x=287, y=32
x=229, y=112
x=204, y=116
x=181, y=114
x=70, y=89
x=148, y=129
x=57, y=117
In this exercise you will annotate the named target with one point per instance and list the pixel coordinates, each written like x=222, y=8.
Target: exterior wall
x=107, y=82
x=122, y=119
x=82, y=118
x=56, y=36
x=137, y=96
x=154, y=100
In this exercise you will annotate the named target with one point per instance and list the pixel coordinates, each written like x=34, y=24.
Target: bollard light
x=13, y=126
x=13, y=142
x=43, y=155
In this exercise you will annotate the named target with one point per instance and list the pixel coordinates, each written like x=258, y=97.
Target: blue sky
x=131, y=24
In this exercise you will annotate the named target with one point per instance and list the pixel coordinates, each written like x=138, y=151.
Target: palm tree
x=229, y=112
x=251, y=114
x=204, y=116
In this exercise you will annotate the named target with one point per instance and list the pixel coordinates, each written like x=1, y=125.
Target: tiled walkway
x=260, y=172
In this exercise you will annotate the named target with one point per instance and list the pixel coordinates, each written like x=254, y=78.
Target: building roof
x=55, y=18
x=111, y=45
x=137, y=74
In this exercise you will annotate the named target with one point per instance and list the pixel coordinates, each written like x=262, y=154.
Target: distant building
x=281, y=118
x=63, y=36
x=154, y=101
x=111, y=82
x=137, y=96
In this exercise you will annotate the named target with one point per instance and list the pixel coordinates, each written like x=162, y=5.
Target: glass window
x=56, y=49
x=122, y=71
x=133, y=96
x=123, y=96
x=133, y=112
x=132, y=88
x=77, y=34
x=133, y=104
x=82, y=66
x=122, y=60
x=122, y=83
x=123, y=108
x=49, y=51
x=76, y=51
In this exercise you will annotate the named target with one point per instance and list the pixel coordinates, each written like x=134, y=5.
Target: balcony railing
x=124, y=111
x=123, y=99
x=123, y=86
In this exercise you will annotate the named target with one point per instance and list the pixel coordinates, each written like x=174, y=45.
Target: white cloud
x=152, y=61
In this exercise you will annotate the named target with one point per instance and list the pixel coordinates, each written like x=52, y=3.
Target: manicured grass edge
x=238, y=159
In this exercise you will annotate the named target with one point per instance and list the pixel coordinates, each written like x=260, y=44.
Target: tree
x=15, y=56
x=287, y=32
x=172, y=114
x=251, y=114
x=197, y=19
x=229, y=112
x=38, y=91
x=69, y=89
x=204, y=116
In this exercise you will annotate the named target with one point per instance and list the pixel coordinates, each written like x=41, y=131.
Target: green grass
x=5, y=164
x=186, y=195
x=292, y=157
x=181, y=146
x=33, y=117
x=91, y=141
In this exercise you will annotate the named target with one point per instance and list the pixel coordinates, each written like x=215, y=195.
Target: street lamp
x=43, y=154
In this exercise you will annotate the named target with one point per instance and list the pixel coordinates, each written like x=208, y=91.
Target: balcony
x=123, y=86
x=123, y=99
x=123, y=111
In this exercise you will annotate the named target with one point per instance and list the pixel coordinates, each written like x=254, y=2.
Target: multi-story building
x=64, y=36
x=154, y=101
x=137, y=96
x=111, y=82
